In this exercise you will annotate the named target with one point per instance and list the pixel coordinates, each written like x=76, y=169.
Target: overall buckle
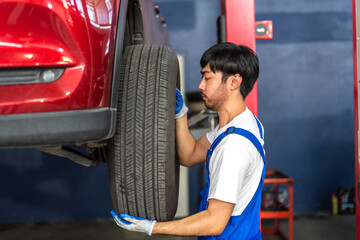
x=230, y=130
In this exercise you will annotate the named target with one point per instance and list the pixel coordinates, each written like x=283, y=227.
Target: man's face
x=213, y=91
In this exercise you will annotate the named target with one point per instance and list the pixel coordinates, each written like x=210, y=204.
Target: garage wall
x=306, y=96
x=305, y=93
x=36, y=186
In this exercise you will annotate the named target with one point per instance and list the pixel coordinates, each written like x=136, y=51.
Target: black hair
x=229, y=59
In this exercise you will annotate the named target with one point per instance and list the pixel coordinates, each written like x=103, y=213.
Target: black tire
x=143, y=171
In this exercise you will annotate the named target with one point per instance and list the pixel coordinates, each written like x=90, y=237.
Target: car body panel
x=76, y=34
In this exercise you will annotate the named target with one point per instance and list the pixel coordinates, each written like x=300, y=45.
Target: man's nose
x=202, y=84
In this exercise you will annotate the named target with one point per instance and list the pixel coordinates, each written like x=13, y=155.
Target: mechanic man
x=235, y=163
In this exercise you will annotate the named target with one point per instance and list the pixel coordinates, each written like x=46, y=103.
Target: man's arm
x=210, y=222
x=190, y=151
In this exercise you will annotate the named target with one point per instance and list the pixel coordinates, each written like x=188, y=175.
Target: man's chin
x=208, y=106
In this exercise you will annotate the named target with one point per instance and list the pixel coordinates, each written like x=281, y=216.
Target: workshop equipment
x=276, y=211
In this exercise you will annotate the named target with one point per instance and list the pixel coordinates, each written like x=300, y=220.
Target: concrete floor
x=309, y=227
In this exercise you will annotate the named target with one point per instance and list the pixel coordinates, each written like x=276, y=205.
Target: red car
x=94, y=73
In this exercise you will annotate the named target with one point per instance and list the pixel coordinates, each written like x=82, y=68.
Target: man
x=230, y=206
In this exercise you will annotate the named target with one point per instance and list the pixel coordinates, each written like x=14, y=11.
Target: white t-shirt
x=236, y=165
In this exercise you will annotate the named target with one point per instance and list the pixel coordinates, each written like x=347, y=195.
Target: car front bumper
x=56, y=128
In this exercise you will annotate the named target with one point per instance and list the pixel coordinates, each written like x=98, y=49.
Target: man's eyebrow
x=203, y=72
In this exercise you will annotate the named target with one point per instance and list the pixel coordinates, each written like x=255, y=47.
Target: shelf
x=276, y=178
x=275, y=214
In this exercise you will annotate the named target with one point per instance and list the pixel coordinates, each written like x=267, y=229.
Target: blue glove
x=180, y=107
x=132, y=223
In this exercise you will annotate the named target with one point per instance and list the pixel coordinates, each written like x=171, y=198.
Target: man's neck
x=228, y=112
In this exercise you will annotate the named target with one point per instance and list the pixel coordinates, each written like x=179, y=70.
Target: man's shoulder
x=248, y=124
x=236, y=142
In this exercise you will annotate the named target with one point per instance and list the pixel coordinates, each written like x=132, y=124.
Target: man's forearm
x=200, y=224
x=190, y=151
x=185, y=142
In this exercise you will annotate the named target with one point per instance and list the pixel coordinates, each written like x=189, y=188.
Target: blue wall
x=306, y=96
x=305, y=103
x=36, y=186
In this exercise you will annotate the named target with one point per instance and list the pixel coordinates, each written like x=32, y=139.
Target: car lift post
x=238, y=18
x=240, y=29
x=356, y=62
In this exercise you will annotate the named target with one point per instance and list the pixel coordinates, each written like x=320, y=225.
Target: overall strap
x=259, y=126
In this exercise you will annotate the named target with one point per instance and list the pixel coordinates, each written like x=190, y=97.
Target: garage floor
x=310, y=227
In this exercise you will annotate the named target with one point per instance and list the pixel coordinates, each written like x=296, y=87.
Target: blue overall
x=247, y=225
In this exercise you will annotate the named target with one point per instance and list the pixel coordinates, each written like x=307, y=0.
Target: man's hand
x=132, y=223
x=180, y=107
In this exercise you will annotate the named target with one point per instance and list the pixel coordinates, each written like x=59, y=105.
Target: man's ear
x=236, y=81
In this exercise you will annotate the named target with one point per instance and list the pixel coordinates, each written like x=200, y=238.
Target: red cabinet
x=275, y=179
